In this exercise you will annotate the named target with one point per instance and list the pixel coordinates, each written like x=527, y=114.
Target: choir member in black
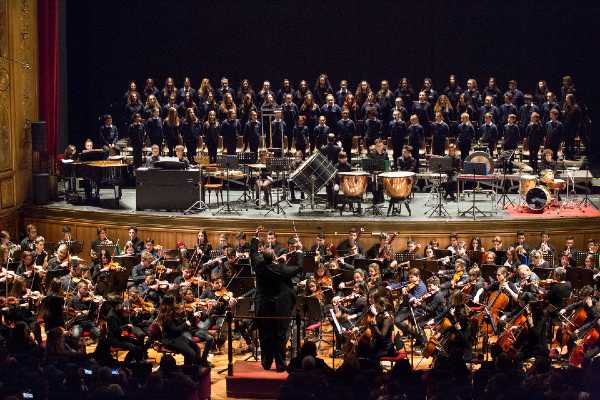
x=488, y=132
x=190, y=131
x=28, y=243
x=179, y=154
x=264, y=92
x=137, y=135
x=517, y=95
x=465, y=105
x=154, y=128
x=203, y=91
x=132, y=89
x=378, y=154
x=452, y=90
x=245, y=108
x=406, y=162
x=245, y=88
x=154, y=157
x=493, y=91
x=188, y=102
x=310, y=111
x=230, y=130
x=108, y=133
x=547, y=106
x=322, y=89
x=473, y=93
x=331, y=111
x=555, y=133
x=346, y=129
x=535, y=134
x=444, y=106
x=572, y=118
x=252, y=132
x=540, y=93
x=488, y=107
x=439, y=132
x=210, y=104
x=187, y=89
x=116, y=324
x=168, y=90
x=405, y=320
x=290, y=115
x=210, y=133
x=277, y=132
x=286, y=88
x=301, y=93
x=415, y=137
x=340, y=95
x=385, y=100
x=223, y=90
x=150, y=89
x=226, y=105
x=132, y=107
x=399, y=106
x=301, y=135
x=466, y=134
x=274, y=297
x=525, y=112
x=171, y=102
x=396, y=130
x=370, y=104
x=361, y=94
x=81, y=311
x=406, y=92
x=321, y=132
x=512, y=135
x=172, y=130
x=506, y=109
x=568, y=87
x=352, y=106
x=373, y=127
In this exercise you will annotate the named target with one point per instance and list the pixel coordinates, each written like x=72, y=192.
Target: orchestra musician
x=406, y=162
x=40, y=256
x=344, y=246
x=379, y=155
x=61, y=259
x=70, y=281
x=81, y=311
x=138, y=272
x=413, y=290
x=27, y=269
x=180, y=156
x=154, y=157
x=28, y=243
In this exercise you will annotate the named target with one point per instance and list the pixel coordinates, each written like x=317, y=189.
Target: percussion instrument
x=353, y=184
x=538, y=198
x=526, y=182
x=547, y=177
x=558, y=184
x=483, y=158
x=313, y=174
x=398, y=185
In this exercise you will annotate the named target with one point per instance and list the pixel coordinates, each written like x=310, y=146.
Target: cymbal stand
x=504, y=198
x=439, y=210
x=228, y=162
x=586, y=199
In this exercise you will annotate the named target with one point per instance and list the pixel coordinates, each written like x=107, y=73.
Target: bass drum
x=482, y=157
x=313, y=174
x=538, y=198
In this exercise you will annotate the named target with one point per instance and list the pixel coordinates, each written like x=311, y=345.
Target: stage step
x=251, y=381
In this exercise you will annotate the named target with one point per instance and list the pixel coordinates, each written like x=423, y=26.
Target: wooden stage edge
x=166, y=229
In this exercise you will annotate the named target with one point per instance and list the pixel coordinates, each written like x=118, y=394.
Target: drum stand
x=227, y=162
x=586, y=202
x=439, y=210
x=504, y=198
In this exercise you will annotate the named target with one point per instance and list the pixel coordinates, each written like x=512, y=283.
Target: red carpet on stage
x=554, y=212
x=251, y=381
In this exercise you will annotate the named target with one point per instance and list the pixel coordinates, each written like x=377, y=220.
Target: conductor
x=274, y=297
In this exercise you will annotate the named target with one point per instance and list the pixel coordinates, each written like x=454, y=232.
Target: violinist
x=322, y=277
x=358, y=280
x=138, y=272
x=70, y=282
x=121, y=333
x=61, y=260
x=150, y=289
x=458, y=278
x=150, y=248
x=138, y=244
x=81, y=310
x=40, y=256
x=188, y=281
x=374, y=278
x=348, y=310
x=473, y=284
x=380, y=323
x=33, y=278
x=433, y=304
x=413, y=291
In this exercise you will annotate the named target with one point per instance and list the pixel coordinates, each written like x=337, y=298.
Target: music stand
x=441, y=253
x=309, y=263
x=280, y=166
x=75, y=246
x=488, y=271
x=227, y=162
x=580, y=277
x=506, y=157
x=543, y=273
x=109, y=248
x=473, y=168
x=438, y=165
x=243, y=160
x=364, y=263
x=373, y=166
x=127, y=261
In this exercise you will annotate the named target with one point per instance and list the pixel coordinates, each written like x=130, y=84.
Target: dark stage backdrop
x=111, y=42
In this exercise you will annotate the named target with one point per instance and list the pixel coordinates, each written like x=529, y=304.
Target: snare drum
x=353, y=184
x=526, y=182
x=558, y=184
x=547, y=177
x=538, y=198
x=398, y=185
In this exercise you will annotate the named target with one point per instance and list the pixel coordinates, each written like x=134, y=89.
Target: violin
x=223, y=294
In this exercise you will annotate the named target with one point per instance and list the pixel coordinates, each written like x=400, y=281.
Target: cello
x=513, y=331
x=590, y=337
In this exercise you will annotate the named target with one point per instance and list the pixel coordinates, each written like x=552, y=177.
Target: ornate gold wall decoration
x=7, y=195
x=5, y=85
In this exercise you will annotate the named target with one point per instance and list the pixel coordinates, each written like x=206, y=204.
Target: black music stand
x=506, y=157
x=488, y=271
x=127, y=261
x=228, y=162
x=109, y=248
x=374, y=167
x=543, y=273
x=473, y=168
x=309, y=263
x=580, y=277
x=280, y=166
x=243, y=160
x=438, y=165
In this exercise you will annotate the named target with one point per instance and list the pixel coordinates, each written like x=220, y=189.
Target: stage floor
x=421, y=205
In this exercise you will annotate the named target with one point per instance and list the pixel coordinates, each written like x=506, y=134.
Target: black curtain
x=111, y=42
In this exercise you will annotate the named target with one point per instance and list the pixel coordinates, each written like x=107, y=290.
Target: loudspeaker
x=39, y=136
x=40, y=186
